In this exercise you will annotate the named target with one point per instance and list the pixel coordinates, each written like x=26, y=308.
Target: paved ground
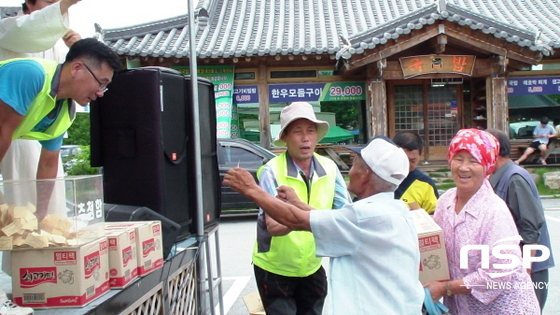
x=236, y=242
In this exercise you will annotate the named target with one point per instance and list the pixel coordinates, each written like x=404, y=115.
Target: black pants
x=541, y=290
x=292, y=295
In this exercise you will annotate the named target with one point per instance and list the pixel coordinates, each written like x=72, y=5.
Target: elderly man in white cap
x=372, y=243
x=289, y=275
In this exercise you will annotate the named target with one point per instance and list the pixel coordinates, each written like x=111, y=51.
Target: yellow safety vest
x=293, y=254
x=42, y=105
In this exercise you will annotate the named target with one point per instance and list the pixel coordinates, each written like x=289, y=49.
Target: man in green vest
x=36, y=97
x=372, y=243
x=289, y=276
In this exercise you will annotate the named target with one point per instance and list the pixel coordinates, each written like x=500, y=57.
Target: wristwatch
x=447, y=289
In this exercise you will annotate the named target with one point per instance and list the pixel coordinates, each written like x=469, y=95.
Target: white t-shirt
x=374, y=266
x=541, y=131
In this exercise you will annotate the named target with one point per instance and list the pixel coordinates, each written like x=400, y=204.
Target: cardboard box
x=149, y=246
x=123, y=262
x=433, y=257
x=60, y=277
x=70, y=216
x=254, y=304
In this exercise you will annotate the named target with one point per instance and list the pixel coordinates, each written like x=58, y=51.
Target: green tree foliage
x=347, y=113
x=79, y=164
x=555, y=97
x=78, y=133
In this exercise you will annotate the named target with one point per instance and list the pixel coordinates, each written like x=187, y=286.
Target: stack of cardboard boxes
x=69, y=258
x=149, y=248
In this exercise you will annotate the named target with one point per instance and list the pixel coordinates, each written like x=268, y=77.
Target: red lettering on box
x=127, y=255
x=92, y=263
x=429, y=243
x=32, y=277
x=148, y=246
x=103, y=246
x=63, y=258
x=156, y=229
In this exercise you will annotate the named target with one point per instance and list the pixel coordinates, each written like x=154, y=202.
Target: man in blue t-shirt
x=541, y=134
x=27, y=85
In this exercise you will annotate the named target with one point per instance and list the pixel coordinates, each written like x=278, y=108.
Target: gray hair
x=382, y=185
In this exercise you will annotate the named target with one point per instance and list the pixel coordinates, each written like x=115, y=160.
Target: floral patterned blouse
x=484, y=220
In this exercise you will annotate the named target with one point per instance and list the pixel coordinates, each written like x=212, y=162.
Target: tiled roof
x=244, y=28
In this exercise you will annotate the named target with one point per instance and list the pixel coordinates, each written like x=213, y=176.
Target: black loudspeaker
x=210, y=173
x=142, y=135
x=170, y=229
x=139, y=136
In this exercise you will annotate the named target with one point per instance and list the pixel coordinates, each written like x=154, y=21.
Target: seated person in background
x=417, y=190
x=556, y=123
x=541, y=134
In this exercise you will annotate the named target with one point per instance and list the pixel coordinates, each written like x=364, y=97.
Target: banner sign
x=227, y=120
x=531, y=86
x=418, y=65
x=310, y=92
x=245, y=94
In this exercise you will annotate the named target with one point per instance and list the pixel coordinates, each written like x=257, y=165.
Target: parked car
x=69, y=149
x=524, y=129
x=68, y=154
x=233, y=152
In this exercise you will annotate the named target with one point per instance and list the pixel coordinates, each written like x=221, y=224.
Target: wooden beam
x=374, y=71
x=442, y=35
x=441, y=43
x=264, y=111
x=389, y=50
x=493, y=47
x=378, y=106
x=336, y=159
x=498, y=117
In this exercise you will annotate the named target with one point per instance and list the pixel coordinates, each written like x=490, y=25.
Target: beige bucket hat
x=295, y=111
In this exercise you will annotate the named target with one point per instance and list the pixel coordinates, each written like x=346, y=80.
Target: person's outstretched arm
x=243, y=182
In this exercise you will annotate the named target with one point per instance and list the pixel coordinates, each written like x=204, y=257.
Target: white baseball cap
x=295, y=111
x=385, y=159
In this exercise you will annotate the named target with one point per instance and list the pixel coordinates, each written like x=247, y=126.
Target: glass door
x=432, y=111
x=442, y=112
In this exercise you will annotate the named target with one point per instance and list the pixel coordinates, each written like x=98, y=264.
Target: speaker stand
x=213, y=278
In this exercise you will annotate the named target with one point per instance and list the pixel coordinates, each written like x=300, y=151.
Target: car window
x=64, y=152
x=70, y=150
x=232, y=156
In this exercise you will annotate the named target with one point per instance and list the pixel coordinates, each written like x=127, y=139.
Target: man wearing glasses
x=36, y=97
x=39, y=31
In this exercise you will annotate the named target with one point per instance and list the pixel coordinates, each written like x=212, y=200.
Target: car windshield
x=64, y=152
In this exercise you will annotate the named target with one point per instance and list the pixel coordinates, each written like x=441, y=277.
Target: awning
x=337, y=134
x=531, y=101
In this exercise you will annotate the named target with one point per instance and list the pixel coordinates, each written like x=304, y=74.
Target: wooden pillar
x=500, y=117
x=496, y=90
x=264, y=111
x=376, y=100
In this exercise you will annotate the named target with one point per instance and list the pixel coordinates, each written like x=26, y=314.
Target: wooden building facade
x=385, y=66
